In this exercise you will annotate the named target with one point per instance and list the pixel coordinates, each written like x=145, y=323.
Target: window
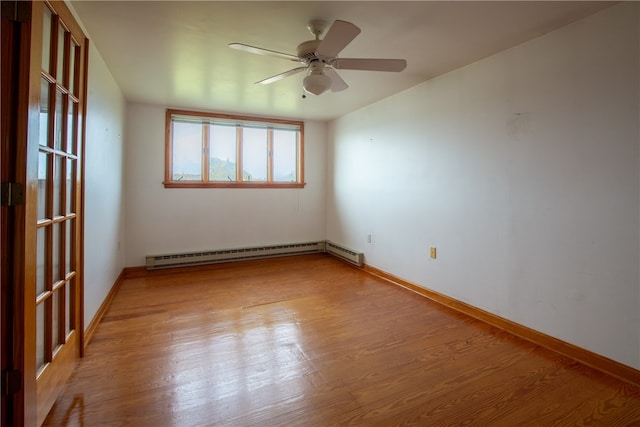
x=219, y=150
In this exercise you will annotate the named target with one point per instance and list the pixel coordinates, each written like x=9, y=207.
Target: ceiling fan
x=320, y=58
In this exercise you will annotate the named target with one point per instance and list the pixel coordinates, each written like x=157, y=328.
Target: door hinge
x=11, y=382
x=12, y=194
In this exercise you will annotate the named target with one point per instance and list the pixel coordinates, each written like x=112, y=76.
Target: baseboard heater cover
x=349, y=255
x=156, y=262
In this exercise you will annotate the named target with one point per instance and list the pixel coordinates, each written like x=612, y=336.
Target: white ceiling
x=175, y=53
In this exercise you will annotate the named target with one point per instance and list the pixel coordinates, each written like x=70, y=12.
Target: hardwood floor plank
x=310, y=341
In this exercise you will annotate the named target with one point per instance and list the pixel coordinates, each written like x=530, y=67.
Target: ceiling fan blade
x=261, y=51
x=337, y=84
x=338, y=37
x=281, y=76
x=369, y=64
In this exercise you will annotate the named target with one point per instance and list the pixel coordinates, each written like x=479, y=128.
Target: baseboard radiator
x=349, y=255
x=156, y=262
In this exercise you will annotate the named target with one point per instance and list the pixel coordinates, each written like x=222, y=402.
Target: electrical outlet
x=432, y=252
x=368, y=238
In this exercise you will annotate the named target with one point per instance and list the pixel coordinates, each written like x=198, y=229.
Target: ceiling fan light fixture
x=316, y=84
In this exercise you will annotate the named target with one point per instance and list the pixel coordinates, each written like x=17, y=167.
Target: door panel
x=57, y=317
x=43, y=100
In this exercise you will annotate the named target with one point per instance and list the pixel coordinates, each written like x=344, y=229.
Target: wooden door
x=45, y=239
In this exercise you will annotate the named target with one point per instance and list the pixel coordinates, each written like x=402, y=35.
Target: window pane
x=57, y=185
x=254, y=154
x=222, y=152
x=40, y=319
x=77, y=133
x=71, y=128
x=71, y=164
x=56, y=256
x=72, y=67
x=285, y=155
x=57, y=136
x=56, y=317
x=68, y=265
x=68, y=311
x=187, y=152
x=59, y=68
x=43, y=168
x=44, y=113
x=46, y=39
x=41, y=241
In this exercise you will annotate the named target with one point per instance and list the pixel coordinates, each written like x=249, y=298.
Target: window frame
x=204, y=182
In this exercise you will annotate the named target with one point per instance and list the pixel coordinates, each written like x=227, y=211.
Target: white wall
x=104, y=195
x=638, y=29
x=163, y=220
x=523, y=170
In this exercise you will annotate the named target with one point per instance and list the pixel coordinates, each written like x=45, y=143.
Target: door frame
x=18, y=266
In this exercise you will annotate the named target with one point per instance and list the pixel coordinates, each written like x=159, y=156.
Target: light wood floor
x=310, y=341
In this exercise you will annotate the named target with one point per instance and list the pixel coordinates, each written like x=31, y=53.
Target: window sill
x=174, y=184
